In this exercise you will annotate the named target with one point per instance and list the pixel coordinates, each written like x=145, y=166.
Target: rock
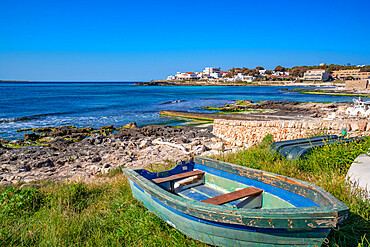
x=362, y=125
x=45, y=129
x=3, y=141
x=219, y=146
x=105, y=170
x=104, y=133
x=93, y=168
x=78, y=137
x=31, y=137
x=181, y=139
x=25, y=168
x=95, y=139
x=130, y=125
x=108, y=127
x=44, y=163
x=87, y=129
x=144, y=144
x=23, y=130
x=60, y=133
x=96, y=159
x=129, y=147
x=5, y=183
x=126, y=133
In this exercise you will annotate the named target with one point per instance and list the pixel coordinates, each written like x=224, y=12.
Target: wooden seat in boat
x=236, y=195
x=183, y=175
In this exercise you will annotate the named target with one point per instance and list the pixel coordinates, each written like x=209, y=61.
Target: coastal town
x=185, y=123
x=322, y=72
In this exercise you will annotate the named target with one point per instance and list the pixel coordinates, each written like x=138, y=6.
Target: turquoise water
x=31, y=105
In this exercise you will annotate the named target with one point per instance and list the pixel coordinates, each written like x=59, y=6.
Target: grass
x=102, y=212
x=82, y=214
x=327, y=168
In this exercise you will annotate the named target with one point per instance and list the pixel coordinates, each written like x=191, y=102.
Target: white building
x=316, y=74
x=208, y=73
x=245, y=78
x=186, y=76
x=280, y=73
x=262, y=71
x=224, y=73
x=212, y=72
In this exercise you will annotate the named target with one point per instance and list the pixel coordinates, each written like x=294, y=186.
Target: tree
x=268, y=72
x=280, y=68
x=259, y=68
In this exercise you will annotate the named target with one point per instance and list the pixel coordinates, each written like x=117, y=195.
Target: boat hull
x=221, y=234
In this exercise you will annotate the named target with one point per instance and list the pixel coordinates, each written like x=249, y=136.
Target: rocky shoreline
x=263, y=111
x=68, y=152
x=101, y=152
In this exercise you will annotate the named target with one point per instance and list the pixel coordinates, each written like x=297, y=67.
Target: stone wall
x=247, y=133
x=357, y=84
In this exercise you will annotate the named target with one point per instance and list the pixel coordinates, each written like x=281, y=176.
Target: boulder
x=25, y=168
x=96, y=159
x=31, y=137
x=45, y=129
x=44, y=163
x=108, y=128
x=130, y=125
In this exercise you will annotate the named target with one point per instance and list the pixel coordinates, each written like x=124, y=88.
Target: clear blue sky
x=118, y=40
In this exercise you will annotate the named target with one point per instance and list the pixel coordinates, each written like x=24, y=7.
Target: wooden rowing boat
x=229, y=205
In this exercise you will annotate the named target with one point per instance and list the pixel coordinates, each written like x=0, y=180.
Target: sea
x=97, y=104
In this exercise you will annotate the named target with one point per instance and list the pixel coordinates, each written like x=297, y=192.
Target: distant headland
x=14, y=81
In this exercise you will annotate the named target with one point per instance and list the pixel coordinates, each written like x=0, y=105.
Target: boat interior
x=194, y=184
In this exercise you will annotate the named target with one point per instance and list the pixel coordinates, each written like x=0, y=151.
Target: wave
x=32, y=117
x=172, y=102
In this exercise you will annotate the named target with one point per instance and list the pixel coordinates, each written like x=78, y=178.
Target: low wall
x=357, y=84
x=247, y=133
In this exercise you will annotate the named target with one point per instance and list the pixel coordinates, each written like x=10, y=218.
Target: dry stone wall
x=248, y=133
x=357, y=84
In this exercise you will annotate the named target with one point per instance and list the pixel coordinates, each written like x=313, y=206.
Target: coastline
x=259, y=83
x=325, y=87
x=65, y=152
x=77, y=169
x=55, y=155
